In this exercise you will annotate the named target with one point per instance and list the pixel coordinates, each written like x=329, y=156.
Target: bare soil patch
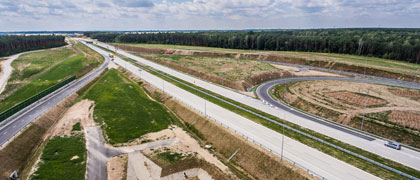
x=312, y=59
x=405, y=93
x=187, y=146
x=347, y=102
x=234, y=73
x=408, y=119
x=356, y=99
x=117, y=167
x=79, y=112
x=303, y=72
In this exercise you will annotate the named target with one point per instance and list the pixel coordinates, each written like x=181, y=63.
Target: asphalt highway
x=11, y=126
x=318, y=162
x=405, y=156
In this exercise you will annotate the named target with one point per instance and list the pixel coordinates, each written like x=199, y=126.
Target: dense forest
x=398, y=44
x=16, y=44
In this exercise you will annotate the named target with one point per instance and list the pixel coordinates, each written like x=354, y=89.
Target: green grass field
x=37, y=71
x=124, y=109
x=45, y=80
x=362, y=61
x=31, y=64
x=63, y=158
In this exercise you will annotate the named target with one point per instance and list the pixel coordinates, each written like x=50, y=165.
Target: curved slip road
x=14, y=124
x=263, y=92
x=408, y=83
x=405, y=156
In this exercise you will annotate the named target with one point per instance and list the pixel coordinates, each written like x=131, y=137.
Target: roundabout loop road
x=263, y=92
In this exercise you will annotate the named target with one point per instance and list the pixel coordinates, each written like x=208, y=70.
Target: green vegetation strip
x=124, y=109
x=316, y=140
x=9, y=112
x=63, y=157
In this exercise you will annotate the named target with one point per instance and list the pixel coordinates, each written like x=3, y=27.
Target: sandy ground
x=195, y=173
x=250, y=93
x=187, y=145
x=293, y=69
x=317, y=92
x=112, y=65
x=6, y=70
x=116, y=167
x=79, y=112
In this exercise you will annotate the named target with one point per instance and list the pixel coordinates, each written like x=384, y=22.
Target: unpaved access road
x=6, y=70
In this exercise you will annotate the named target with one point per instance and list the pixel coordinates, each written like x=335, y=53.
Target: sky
x=88, y=15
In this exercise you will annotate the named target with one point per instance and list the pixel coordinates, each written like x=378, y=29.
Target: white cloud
x=205, y=14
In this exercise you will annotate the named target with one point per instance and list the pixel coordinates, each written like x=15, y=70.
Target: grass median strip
x=353, y=160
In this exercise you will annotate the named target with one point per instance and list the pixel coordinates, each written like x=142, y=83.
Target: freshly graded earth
x=341, y=101
x=391, y=112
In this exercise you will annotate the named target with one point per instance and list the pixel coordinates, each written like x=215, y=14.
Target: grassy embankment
x=38, y=76
x=376, y=170
x=63, y=157
x=310, y=58
x=124, y=110
x=28, y=66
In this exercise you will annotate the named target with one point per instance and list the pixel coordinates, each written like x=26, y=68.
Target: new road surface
x=317, y=162
x=11, y=126
x=406, y=156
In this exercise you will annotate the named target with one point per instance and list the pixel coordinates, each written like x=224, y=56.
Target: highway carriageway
x=127, y=65
x=14, y=124
x=406, y=156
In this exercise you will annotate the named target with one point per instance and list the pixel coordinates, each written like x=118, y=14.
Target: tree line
x=397, y=44
x=15, y=44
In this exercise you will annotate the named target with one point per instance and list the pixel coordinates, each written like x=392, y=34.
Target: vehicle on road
x=394, y=145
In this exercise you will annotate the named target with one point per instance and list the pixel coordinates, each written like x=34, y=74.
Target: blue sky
x=38, y=15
